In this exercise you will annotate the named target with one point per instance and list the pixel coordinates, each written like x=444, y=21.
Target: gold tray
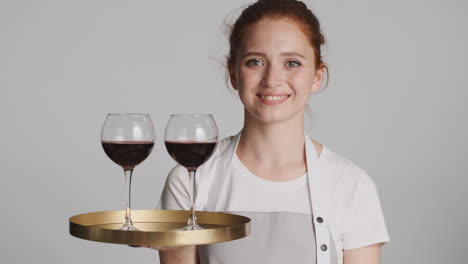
x=158, y=227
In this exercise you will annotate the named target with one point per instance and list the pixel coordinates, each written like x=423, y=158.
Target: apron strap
x=316, y=189
x=219, y=174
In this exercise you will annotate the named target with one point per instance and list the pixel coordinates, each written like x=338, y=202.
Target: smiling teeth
x=273, y=98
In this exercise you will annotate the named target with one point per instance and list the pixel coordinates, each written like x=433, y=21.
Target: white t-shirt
x=345, y=196
x=245, y=192
x=250, y=193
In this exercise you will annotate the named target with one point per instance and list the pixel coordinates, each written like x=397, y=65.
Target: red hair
x=292, y=9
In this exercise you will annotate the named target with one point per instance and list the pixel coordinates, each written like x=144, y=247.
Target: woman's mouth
x=272, y=99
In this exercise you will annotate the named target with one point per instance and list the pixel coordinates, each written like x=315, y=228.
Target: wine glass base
x=191, y=227
x=127, y=227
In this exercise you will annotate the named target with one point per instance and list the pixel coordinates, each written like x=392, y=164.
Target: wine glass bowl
x=128, y=139
x=190, y=140
x=127, y=154
x=190, y=154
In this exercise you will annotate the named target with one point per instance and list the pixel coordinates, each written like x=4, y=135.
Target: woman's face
x=275, y=70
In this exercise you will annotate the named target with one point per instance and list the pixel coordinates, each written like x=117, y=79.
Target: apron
x=276, y=237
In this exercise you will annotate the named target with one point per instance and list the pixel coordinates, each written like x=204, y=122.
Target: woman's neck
x=271, y=145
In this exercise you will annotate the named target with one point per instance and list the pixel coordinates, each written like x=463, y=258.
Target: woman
x=307, y=204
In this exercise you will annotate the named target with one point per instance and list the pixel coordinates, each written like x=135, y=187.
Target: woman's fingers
x=160, y=248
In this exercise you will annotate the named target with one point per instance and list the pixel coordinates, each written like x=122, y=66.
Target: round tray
x=159, y=227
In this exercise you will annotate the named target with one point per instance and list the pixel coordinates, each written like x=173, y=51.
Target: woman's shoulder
x=341, y=169
x=223, y=145
x=178, y=174
x=348, y=185
x=175, y=194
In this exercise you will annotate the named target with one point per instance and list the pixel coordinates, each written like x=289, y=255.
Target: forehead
x=276, y=34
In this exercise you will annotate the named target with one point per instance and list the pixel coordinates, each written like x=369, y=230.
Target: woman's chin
x=275, y=117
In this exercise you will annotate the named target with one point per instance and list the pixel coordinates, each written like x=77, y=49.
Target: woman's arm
x=364, y=255
x=179, y=255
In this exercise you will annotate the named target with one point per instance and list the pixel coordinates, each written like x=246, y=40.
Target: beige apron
x=277, y=237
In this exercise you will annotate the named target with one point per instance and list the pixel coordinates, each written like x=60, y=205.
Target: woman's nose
x=272, y=77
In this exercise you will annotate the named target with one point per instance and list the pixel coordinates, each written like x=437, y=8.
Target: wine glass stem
x=194, y=193
x=128, y=186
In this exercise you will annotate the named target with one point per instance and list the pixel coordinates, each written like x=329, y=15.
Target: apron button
x=320, y=219
x=323, y=247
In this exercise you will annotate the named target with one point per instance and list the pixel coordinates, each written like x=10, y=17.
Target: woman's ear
x=318, y=79
x=232, y=76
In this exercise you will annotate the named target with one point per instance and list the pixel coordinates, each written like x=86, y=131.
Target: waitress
x=307, y=203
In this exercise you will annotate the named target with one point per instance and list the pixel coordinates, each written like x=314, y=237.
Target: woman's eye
x=254, y=62
x=293, y=64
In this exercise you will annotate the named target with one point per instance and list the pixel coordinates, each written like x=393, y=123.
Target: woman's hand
x=176, y=255
x=179, y=255
x=159, y=248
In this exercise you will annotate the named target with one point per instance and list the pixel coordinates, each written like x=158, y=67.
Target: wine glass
x=128, y=139
x=190, y=139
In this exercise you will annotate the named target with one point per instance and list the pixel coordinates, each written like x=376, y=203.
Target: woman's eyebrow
x=253, y=53
x=291, y=53
x=282, y=54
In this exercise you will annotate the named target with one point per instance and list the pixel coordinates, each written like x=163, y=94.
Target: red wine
x=127, y=154
x=190, y=154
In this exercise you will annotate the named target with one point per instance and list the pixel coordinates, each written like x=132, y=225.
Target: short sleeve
x=366, y=221
x=176, y=192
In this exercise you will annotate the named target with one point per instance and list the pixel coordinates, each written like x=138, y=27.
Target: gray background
x=395, y=106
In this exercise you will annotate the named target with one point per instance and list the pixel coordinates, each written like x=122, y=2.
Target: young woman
x=307, y=203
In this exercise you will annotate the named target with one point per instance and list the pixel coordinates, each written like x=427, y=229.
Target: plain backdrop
x=395, y=105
